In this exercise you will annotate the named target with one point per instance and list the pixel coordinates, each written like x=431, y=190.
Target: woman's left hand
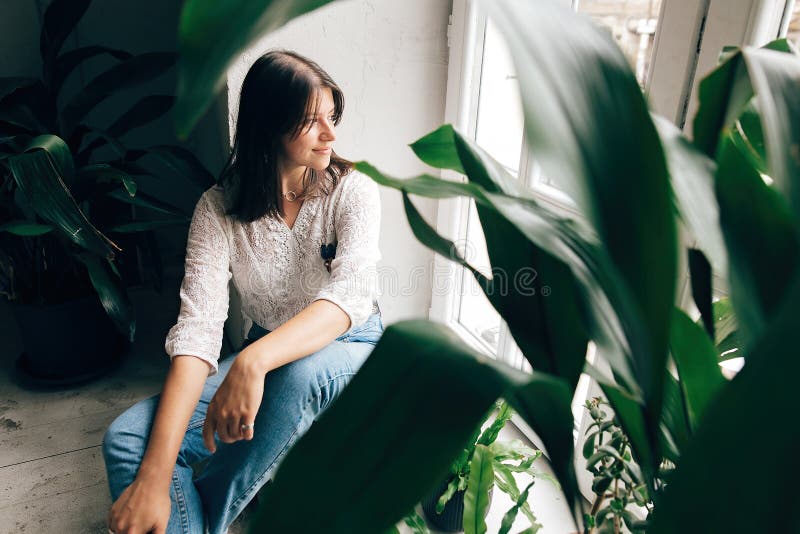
x=235, y=403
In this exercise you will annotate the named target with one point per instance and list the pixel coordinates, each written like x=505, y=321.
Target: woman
x=297, y=231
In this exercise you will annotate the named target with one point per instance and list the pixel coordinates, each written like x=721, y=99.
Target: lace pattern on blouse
x=277, y=270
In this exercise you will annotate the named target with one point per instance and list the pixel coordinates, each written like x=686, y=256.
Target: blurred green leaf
x=702, y=292
x=757, y=404
x=727, y=330
x=414, y=354
x=775, y=76
x=596, y=139
x=748, y=137
x=698, y=367
x=762, y=242
x=692, y=177
x=204, y=60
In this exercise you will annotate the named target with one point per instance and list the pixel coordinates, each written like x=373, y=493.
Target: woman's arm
x=182, y=389
x=238, y=398
x=312, y=328
x=144, y=506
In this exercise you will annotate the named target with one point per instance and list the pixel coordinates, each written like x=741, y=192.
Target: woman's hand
x=142, y=508
x=236, y=402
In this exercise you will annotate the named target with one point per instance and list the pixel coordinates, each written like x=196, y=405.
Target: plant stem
x=616, y=496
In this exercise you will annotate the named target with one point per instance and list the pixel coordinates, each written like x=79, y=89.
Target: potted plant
x=68, y=204
x=462, y=501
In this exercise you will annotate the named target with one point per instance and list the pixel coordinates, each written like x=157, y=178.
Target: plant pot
x=67, y=343
x=452, y=517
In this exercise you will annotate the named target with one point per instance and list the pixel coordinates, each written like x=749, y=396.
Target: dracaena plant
x=611, y=275
x=68, y=188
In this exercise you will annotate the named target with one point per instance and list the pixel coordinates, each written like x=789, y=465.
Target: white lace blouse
x=277, y=270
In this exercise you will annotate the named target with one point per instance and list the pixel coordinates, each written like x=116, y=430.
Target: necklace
x=291, y=196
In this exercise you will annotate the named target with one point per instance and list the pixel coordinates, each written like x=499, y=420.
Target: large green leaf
x=10, y=84
x=726, y=330
x=748, y=137
x=709, y=485
x=178, y=160
x=476, y=498
x=40, y=179
x=211, y=35
x=25, y=228
x=144, y=111
x=596, y=137
x=125, y=75
x=147, y=201
x=762, y=242
x=397, y=427
x=776, y=80
x=675, y=420
x=145, y=226
x=58, y=151
x=692, y=177
x=438, y=149
x=111, y=290
x=103, y=172
x=698, y=368
x=60, y=19
x=701, y=277
x=771, y=73
x=603, y=294
x=68, y=61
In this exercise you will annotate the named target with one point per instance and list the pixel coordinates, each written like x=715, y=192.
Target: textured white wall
x=390, y=59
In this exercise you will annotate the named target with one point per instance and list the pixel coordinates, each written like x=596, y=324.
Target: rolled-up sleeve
x=353, y=281
x=204, y=290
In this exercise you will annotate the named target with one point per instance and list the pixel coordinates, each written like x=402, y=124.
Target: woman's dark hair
x=280, y=90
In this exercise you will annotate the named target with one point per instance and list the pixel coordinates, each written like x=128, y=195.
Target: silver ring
x=247, y=427
x=111, y=531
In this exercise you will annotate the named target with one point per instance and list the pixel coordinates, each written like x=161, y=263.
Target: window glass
x=499, y=120
x=475, y=313
x=632, y=23
x=498, y=130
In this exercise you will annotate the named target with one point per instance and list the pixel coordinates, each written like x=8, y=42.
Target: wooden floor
x=52, y=479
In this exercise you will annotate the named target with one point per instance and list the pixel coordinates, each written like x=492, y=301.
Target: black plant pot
x=452, y=517
x=67, y=343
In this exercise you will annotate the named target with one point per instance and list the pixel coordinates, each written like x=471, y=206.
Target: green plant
x=612, y=278
x=617, y=481
x=68, y=190
x=495, y=462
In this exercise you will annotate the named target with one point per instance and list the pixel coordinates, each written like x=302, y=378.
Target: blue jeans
x=294, y=396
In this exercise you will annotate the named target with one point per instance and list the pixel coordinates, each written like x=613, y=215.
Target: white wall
x=390, y=59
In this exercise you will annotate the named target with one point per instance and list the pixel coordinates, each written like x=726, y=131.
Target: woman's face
x=313, y=147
